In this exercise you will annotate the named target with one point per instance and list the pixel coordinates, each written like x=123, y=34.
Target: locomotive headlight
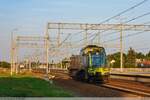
x=97, y=53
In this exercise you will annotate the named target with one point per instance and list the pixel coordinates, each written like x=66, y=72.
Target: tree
x=140, y=55
x=131, y=58
x=4, y=64
x=116, y=58
x=148, y=56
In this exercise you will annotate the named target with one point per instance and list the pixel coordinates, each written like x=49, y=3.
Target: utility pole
x=13, y=48
x=12, y=54
x=121, y=49
x=98, y=38
x=121, y=42
x=30, y=69
x=86, y=35
x=17, y=60
x=58, y=38
x=47, y=49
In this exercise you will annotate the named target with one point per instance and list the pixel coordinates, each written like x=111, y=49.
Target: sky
x=31, y=16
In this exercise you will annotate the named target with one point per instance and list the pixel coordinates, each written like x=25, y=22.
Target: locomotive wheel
x=98, y=78
x=90, y=79
x=80, y=75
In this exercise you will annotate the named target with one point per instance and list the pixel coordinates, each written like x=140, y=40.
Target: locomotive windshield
x=98, y=59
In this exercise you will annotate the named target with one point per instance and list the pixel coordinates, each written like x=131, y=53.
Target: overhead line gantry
x=86, y=27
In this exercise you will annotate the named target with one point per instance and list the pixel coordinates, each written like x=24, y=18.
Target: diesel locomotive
x=90, y=65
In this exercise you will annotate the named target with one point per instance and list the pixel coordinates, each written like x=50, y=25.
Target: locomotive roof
x=91, y=46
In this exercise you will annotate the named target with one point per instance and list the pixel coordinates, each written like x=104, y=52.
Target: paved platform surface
x=133, y=73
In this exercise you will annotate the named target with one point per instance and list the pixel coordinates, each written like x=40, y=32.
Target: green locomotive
x=90, y=65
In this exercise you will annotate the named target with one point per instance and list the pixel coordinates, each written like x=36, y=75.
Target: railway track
x=132, y=87
x=125, y=86
x=136, y=92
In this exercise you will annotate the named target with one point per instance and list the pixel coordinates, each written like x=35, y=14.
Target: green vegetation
x=29, y=87
x=116, y=57
x=129, y=59
x=4, y=64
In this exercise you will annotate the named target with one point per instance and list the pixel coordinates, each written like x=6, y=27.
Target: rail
x=137, y=78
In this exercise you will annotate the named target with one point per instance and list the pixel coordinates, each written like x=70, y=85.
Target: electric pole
x=121, y=42
x=58, y=38
x=47, y=49
x=86, y=38
x=121, y=49
x=98, y=38
x=12, y=54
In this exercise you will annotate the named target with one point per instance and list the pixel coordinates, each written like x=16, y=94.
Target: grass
x=30, y=87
